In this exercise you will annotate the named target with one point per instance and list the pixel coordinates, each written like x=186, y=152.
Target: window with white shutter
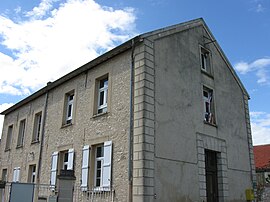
x=103, y=158
x=54, y=169
x=85, y=167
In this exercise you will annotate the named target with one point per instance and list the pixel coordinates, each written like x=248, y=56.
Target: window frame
x=101, y=160
x=209, y=115
x=32, y=173
x=205, y=60
x=102, y=108
x=4, y=176
x=37, y=127
x=9, y=137
x=69, y=108
x=21, y=133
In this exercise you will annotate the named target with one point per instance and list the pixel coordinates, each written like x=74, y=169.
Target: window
x=21, y=133
x=102, y=95
x=9, y=137
x=37, y=127
x=16, y=174
x=99, y=165
x=69, y=108
x=32, y=174
x=4, y=175
x=64, y=163
x=205, y=60
x=101, y=162
x=208, y=102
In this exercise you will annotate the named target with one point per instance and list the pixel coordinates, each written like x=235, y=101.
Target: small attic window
x=205, y=57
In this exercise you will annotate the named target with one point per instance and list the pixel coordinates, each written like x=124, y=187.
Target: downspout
x=42, y=137
x=131, y=121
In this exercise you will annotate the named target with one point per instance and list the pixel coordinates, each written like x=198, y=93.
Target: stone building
x=162, y=117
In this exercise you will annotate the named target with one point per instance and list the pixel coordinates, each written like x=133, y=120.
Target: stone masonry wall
x=143, y=160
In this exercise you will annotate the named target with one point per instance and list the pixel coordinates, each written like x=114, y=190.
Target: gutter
x=42, y=137
x=131, y=123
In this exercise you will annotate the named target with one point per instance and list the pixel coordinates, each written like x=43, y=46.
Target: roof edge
x=84, y=68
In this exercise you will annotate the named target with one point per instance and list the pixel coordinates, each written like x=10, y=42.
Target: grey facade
x=161, y=106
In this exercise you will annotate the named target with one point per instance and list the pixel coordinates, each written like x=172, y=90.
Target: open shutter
x=85, y=167
x=18, y=174
x=14, y=174
x=54, y=168
x=106, y=174
x=70, y=159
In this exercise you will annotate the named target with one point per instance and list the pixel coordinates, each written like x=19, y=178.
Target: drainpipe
x=42, y=137
x=131, y=121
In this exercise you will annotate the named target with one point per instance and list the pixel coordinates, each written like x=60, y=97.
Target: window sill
x=210, y=124
x=100, y=114
x=19, y=146
x=35, y=142
x=207, y=73
x=66, y=125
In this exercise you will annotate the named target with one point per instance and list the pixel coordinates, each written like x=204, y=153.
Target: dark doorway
x=211, y=176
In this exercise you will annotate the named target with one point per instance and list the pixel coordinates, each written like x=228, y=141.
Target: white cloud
x=41, y=9
x=260, y=125
x=258, y=66
x=66, y=37
x=2, y=108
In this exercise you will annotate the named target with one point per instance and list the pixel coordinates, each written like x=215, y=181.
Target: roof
x=262, y=156
x=123, y=47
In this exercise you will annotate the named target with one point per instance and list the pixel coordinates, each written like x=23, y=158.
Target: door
x=211, y=176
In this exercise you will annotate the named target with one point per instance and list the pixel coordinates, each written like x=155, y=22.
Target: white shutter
x=85, y=167
x=70, y=159
x=54, y=168
x=16, y=174
x=106, y=174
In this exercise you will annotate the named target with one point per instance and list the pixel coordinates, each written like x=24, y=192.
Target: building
x=262, y=164
x=162, y=117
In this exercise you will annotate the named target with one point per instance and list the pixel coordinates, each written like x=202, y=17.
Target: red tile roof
x=262, y=156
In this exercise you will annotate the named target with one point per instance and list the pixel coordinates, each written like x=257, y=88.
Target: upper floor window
x=205, y=60
x=37, y=127
x=208, y=102
x=9, y=137
x=21, y=133
x=102, y=95
x=69, y=107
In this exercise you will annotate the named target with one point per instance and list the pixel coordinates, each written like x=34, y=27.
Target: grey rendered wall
x=181, y=136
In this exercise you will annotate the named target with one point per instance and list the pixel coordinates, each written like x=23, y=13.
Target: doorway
x=211, y=176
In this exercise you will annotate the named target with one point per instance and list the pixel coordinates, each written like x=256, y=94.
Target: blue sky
x=41, y=40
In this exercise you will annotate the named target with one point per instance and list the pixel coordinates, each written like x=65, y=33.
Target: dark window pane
x=98, y=182
x=101, y=98
x=66, y=157
x=205, y=93
x=69, y=110
x=100, y=152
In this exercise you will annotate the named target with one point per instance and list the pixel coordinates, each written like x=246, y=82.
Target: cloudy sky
x=41, y=40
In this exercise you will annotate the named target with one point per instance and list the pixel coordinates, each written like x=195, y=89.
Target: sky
x=42, y=40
